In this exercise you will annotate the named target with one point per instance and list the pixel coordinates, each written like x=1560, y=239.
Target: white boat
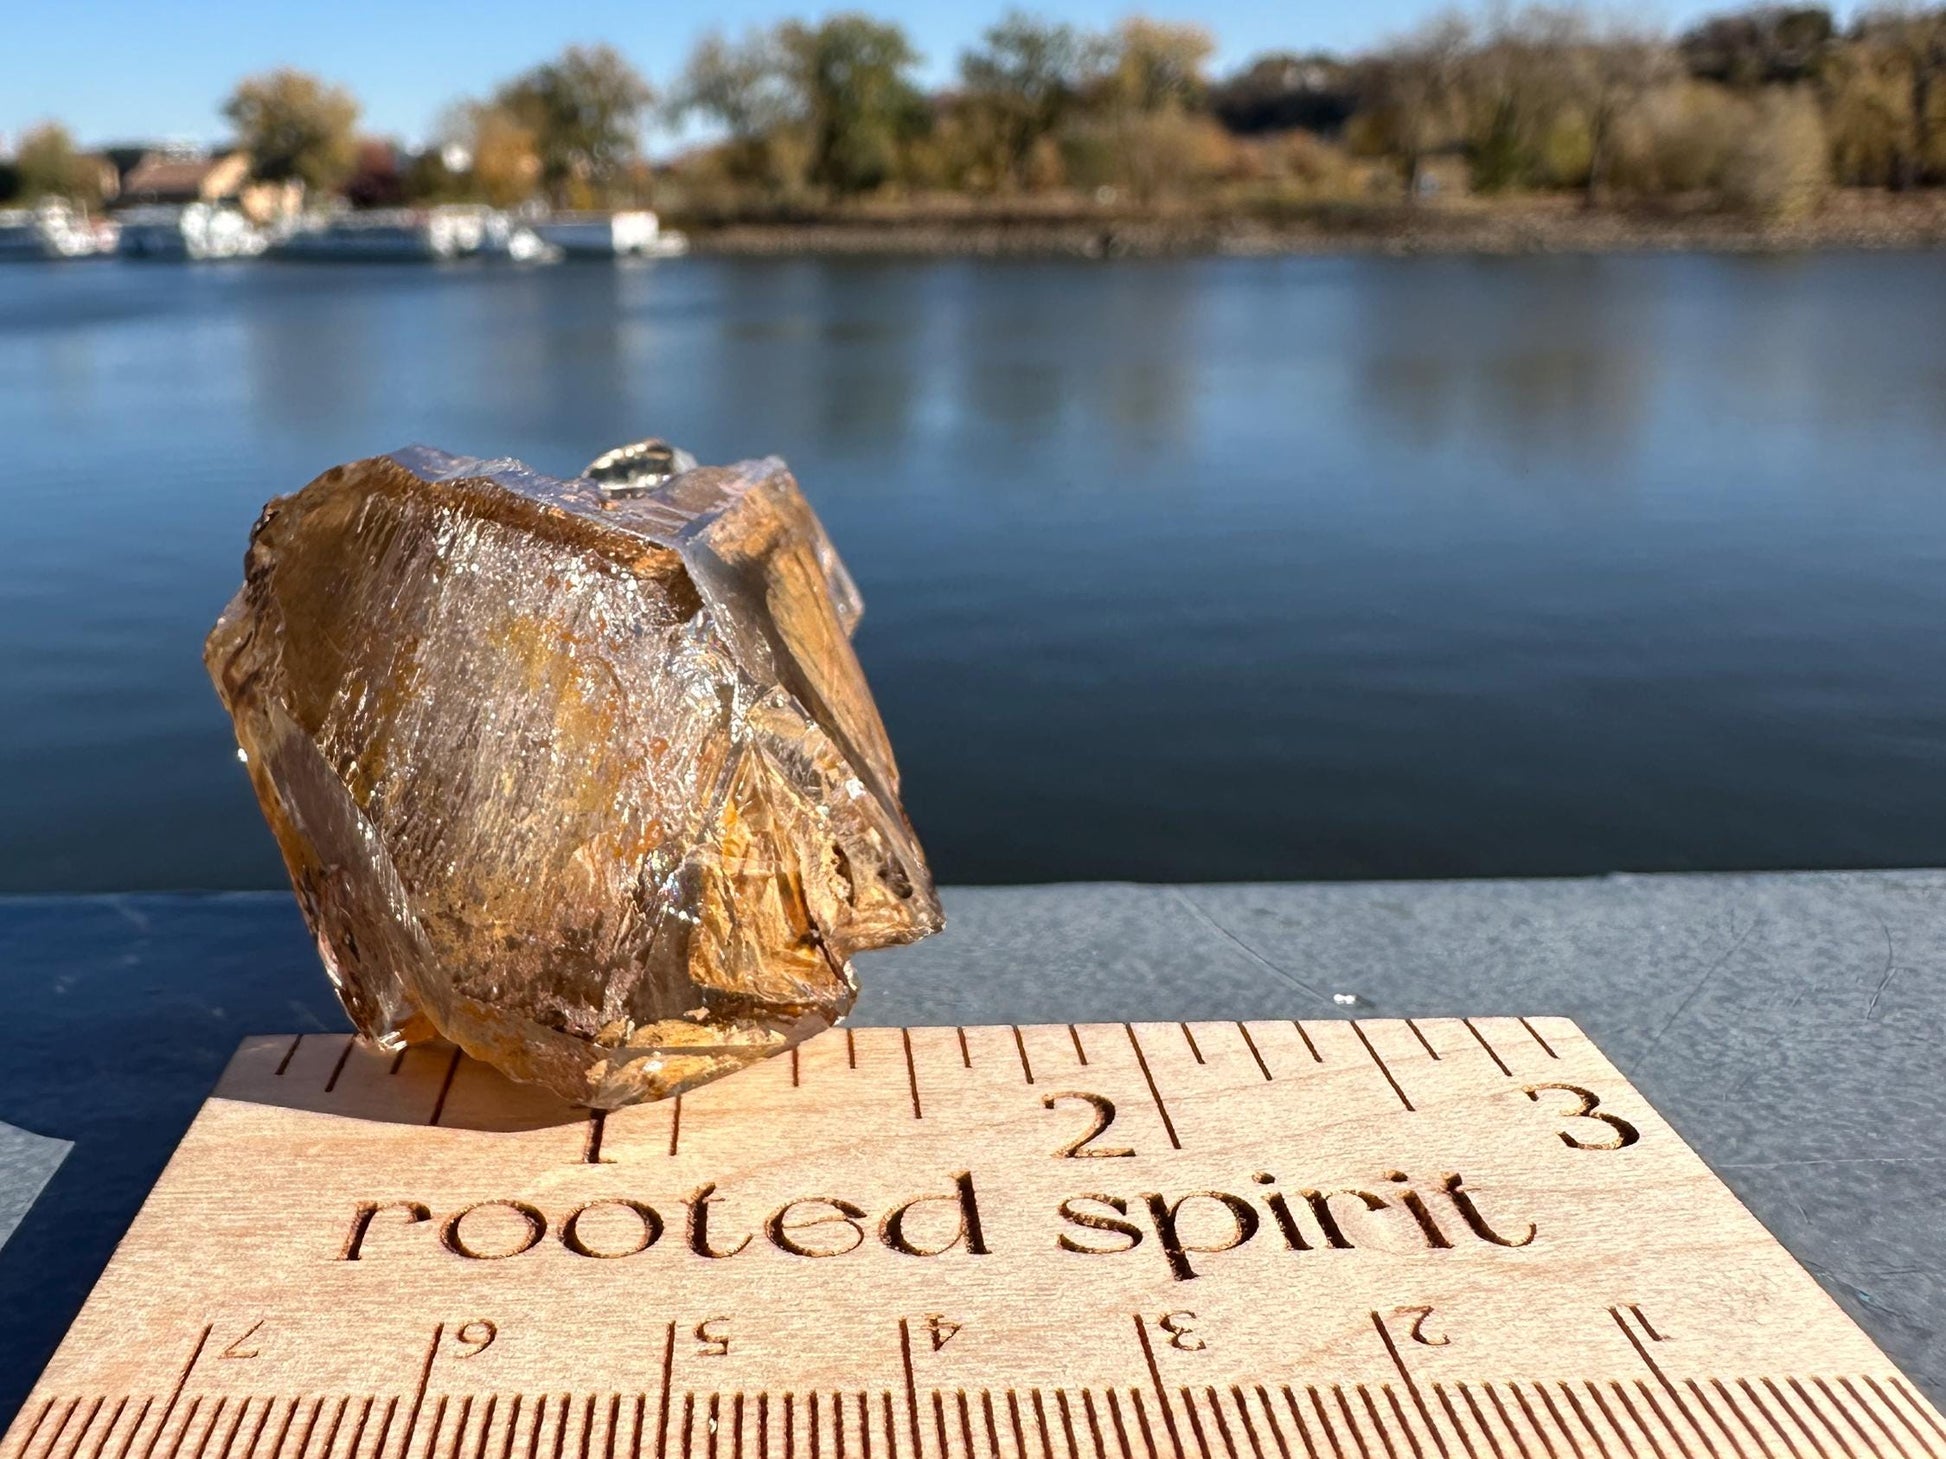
x=195, y=231
x=635, y=234
x=53, y=230
x=408, y=234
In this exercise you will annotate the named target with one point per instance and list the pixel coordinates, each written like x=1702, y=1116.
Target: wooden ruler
x=1441, y=1239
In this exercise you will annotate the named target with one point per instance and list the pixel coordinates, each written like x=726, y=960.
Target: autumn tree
x=1024, y=80
x=295, y=127
x=1412, y=97
x=1909, y=46
x=47, y=164
x=488, y=154
x=1614, y=75
x=584, y=111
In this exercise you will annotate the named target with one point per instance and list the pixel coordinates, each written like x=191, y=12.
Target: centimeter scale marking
x=1382, y=1239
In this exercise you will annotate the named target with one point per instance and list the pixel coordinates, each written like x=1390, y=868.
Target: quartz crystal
x=581, y=775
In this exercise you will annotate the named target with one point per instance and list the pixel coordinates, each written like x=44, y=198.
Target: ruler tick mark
x=338, y=1068
x=1533, y=1420
x=1507, y=1419
x=1424, y=1042
x=1560, y=1423
x=1859, y=1399
x=1452, y=1415
x=1079, y=1053
x=1837, y=1438
x=1251, y=1044
x=1358, y=1029
x=1041, y=1425
x=1613, y=1422
x=1222, y=1424
x=1411, y=1387
x=1918, y=1405
x=1480, y=1419
x=1121, y=1428
x=668, y=1365
x=1190, y=1039
x=175, y=1393
x=115, y=1418
x=1094, y=1424
x=1142, y=1422
x=1309, y=1047
x=1546, y=1047
x=1243, y=1418
x=1791, y=1413
x=1492, y=1053
x=1020, y=1043
x=905, y=1358
x=1587, y=1423
x=794, y=1074
x=1844, y=1412
x=1142, y=1059
x=851, y=1048
x=911, y=1076
x=398, y=1062
x=1067, y=1420
x=1621, y=1397
x=1155, y=1377
x=591, y=1146
x=965, y=1053
x=675, y=1126
x=285, y=1062
x=1703, y=1402
x=1325, y=1426
x=1270, y=1417
x=1351, y=1424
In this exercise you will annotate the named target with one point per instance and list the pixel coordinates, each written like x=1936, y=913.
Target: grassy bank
x=1026, y=228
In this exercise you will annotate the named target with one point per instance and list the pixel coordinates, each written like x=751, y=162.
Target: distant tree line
x=1760, y=110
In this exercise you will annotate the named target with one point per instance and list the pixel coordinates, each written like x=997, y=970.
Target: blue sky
x=119, y=69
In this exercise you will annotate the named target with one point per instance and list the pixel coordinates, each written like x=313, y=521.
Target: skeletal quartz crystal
x=581, y=775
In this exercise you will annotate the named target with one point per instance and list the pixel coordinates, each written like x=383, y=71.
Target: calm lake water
x=1192, y=570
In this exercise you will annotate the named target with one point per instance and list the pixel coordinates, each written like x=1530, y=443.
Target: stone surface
x=583, y=775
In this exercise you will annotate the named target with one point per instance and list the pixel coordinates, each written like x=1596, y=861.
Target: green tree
x=860, y=106
x=1024, y=80
x=584, y=110
x=295, y=126
x=47, y=164
x=748, y=89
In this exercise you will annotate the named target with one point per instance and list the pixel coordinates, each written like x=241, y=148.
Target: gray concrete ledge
x=1789, y=1026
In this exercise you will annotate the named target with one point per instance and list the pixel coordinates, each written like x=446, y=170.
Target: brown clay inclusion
x=582, y=775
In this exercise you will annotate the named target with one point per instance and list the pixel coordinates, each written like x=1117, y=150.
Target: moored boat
x=195, y=231
x=53, y=230
x=414, y=234
x=636, y=233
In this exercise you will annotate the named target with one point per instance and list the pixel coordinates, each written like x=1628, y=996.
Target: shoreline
x=1876, y=223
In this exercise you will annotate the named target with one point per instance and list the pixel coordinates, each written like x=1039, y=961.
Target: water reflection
x=1207, y=568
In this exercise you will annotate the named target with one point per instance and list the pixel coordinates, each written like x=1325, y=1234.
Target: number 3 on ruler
x=1587, y=1109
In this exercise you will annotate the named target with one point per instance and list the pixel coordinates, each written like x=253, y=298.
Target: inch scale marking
x=1385, y=1239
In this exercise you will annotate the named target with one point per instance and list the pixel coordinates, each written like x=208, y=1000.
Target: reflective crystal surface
x=582, y=775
